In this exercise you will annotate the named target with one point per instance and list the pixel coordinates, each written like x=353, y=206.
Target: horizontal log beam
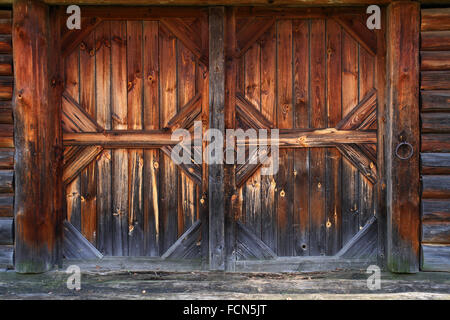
x=329, y=137
x=436, y=187
x=435, y=100
x=435, y=163
x=435, y=19
x=121, y=139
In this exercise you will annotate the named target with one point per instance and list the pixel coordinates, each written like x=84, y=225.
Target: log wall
x=435, y=133
x=6, y=141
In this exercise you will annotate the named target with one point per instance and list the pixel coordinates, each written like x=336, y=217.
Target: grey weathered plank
x=436, y=210
x=435, y=258
x=6, y=231
x=6, y=205
x=6, y=256
x=303, y=264
x=435, y=122
x=435, y=163
x=435, y=186
x=186, y=245
x=435, y=100
x=436, y=232
x=217, y=121
x=75, y=246
x=249, y=246
x=363, y=244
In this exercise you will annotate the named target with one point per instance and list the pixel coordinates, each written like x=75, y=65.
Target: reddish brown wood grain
x=37, y=198
x=403, y=118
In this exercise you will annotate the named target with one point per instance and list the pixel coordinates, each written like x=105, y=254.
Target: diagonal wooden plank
x=360, y=160
x=73, y=38
x=192, y=170
x=250, y=114
x=187, y=244
x=249, y=246
x=75, y=119
x=251, y=32
x=246, y=170
x=363, y=115
x=364, y=244
x=356, y=26
x=192, y=40
x=75, y=246
x=78, y=163
x=186, y=116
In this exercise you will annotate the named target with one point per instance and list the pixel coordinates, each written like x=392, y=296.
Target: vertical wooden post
x=231, y=195
x=216, y=121
x=403, y=215
x=380, y=78
x=37, y=137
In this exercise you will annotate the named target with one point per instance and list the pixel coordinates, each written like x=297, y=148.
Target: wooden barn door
x=312, y=76
x=133, y=76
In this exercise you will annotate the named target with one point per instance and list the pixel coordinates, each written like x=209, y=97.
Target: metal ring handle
x=411, y=152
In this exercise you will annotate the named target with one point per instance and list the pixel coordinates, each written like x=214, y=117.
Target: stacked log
x=435, y=133
x=6, y=142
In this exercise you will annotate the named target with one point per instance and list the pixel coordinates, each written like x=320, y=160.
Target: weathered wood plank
x=357, y=28
x=435, y=163
x=7, y=256
x=434, y=60
x=73, y=203
x=73, y=38
x=83, y=159
x=187, y=245
x=248, y=35
x=333, y=156
x=436, y=232
x=6, y=158
x=435, y=258
x=135, y=156
x=317, y=163
x=359, y=160
x=216, y=198
x=403, y=118
x=6, y=231
x=88, y=195
x=121, y=139
x=436, y=210
x=435, y=186
x=309, y=138
x=435, y=40
x=435, y=100
x=435, y=80
x=250, y=113
x=75, y=246
x=249, y=246
x=168, y=109
x=435, y=143
x=185, y=34
x=119, y=115
x=358, y=115
x=364, y=244
x=38, y=195
x=76, y=119
x=435, y=19
x=435, y=122
x=6, y=205
x=151, y=122
x=103, y=117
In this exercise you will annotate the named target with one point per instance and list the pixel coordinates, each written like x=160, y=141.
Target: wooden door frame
x=38, y=140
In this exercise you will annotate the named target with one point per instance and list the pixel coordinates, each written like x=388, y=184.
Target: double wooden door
x=129, y=82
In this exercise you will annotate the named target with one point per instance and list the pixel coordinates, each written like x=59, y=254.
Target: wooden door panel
x=308, y=74
x=134, y=76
